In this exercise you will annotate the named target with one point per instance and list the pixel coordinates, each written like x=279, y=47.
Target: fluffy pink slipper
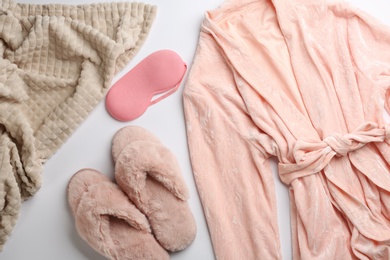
x=150, y=175
x=162, y=71
x=108, y=221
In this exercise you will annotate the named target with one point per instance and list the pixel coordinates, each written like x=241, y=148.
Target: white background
x=45, y=229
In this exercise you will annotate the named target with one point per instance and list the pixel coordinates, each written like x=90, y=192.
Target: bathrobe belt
x=313, y=156
x=317, y=157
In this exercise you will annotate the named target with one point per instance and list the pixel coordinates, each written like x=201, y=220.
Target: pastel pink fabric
x=160, y=72
x=305, y=81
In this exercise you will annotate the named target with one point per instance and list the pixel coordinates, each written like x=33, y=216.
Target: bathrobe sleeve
x=230, y=163
x=369, y=42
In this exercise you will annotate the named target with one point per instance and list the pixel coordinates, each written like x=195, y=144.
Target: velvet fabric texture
x=56, y=64
x=305, y=81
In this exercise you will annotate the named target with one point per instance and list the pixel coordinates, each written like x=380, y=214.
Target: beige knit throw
x=56, y=64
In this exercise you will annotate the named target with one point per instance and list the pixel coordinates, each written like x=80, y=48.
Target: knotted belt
x=312, y=156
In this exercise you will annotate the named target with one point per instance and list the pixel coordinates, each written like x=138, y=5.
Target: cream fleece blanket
x=56, y=64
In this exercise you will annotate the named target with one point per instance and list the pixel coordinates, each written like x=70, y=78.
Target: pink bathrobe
x=305, y=81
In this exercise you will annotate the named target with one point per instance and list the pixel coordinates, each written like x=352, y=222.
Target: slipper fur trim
x=128, y=135
x=142, y=158
x=98, y=206
x=150, y=175
x=101, y=202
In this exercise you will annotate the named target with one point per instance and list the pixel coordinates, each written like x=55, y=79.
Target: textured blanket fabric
x=56, y=64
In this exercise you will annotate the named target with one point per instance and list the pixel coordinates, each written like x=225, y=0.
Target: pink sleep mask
x=161, y=71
